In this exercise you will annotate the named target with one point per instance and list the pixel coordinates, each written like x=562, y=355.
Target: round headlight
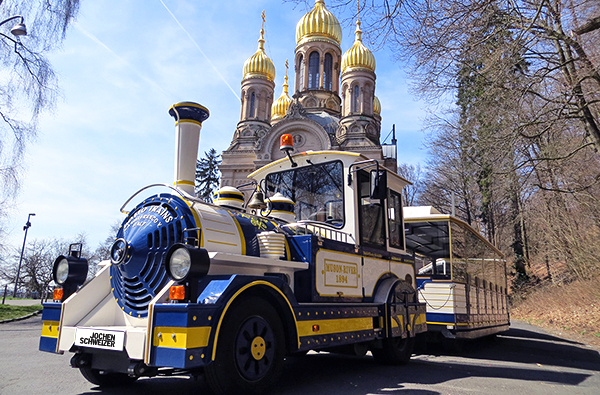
x=180, y=264
x=118, y=251
x=62, y=271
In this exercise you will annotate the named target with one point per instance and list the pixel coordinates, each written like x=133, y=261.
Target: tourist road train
x=311, y=254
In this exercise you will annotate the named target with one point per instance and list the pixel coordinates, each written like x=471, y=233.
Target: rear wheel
x=250, y=350
x=395, y=351
x=105, y=379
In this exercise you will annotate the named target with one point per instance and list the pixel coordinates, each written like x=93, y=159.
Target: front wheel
x=250, y=350
x=395, y=351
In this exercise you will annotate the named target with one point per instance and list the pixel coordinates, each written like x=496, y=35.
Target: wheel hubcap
x=258, y=348
x=254, y=348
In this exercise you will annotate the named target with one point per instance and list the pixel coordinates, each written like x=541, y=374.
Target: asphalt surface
x=525, y=360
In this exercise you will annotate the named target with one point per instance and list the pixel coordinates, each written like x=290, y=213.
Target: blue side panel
x=48, y=344
x=445, y=318
x=51, y=311
x=174, y=357
x=177, y=357
x=301, y=248
x=171, y=318
x=421, y=281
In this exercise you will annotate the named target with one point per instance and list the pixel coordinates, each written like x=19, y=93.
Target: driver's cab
x=339, y=195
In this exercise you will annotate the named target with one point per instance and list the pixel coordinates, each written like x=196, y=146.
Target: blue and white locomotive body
x=229, y=289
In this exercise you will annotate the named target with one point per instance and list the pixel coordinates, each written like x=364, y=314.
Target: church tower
x=317, y=60
x=360, y=125
x=281, y=105
x=255, y=119
x=333, y=106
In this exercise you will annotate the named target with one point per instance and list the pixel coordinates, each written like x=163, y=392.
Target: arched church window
x=313, y=70
x=328, y=71
x=251, y=114
x=355, y=99
x=301, y=73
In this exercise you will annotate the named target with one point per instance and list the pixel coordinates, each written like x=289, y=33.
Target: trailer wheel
x=102, y=379
x=395, y=351
x=250, y=350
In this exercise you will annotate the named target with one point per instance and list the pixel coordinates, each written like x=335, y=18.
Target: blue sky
x=122, y=65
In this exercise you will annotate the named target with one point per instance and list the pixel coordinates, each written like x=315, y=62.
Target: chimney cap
x=189, y=111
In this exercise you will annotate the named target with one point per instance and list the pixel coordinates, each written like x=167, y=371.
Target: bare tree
x=28, y=85
x=414, y=174
x=37, y=264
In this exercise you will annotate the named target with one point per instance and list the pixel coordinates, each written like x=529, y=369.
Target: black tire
x=250, y=350
x=103, y=379
x=395, y=351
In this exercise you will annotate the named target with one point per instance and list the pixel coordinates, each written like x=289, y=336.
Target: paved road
x=523, y=361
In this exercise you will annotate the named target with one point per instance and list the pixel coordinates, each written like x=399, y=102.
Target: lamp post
x=25, y=228
x=17, y=30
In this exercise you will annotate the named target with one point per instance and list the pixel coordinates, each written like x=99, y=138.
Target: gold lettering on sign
x=340, y=274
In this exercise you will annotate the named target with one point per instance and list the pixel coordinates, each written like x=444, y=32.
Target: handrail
x=179, y=192
x=322, y=230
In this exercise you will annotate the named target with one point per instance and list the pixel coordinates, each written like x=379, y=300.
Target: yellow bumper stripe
x=177, y=337
x=326, y=327
x=50, y=329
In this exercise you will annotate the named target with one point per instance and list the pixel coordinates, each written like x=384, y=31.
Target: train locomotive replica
x=314, y=259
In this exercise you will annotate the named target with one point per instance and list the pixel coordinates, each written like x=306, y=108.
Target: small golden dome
x=359, y=56
x=259, y=65
x=280, y=106
x=376, y=106
x=319, y=24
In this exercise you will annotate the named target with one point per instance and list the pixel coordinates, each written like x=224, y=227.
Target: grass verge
x=8, y=312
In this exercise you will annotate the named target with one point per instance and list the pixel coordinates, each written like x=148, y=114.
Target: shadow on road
x=527, y=346
x=541, y=358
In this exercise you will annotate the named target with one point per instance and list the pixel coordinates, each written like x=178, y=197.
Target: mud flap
x=405, y=316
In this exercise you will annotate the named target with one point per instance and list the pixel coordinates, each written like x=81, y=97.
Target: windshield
x=317, y=191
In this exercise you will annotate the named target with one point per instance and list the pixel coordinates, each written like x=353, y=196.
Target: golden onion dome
x=280, y=106
x=319, y=24
x=259, y=65
x=376, y=106
x=359, y=56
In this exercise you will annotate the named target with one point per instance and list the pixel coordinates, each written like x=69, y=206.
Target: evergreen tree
x=207, y=175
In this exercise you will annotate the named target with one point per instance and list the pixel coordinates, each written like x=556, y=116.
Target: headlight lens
x=118, y=251
x=180, y=264
x=62, y=271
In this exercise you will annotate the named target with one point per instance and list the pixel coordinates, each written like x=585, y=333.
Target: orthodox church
x=333, y=107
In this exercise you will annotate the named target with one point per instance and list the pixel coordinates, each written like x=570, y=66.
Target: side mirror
x=378, y=184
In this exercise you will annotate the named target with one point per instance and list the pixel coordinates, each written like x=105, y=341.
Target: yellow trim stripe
x=50, y=329
x=327, y=327
x=242, y=237
x=214, y=352
x=220, y=231
x=188, y=121
x=193, y=337
x=184, y=182
x=449, y=323
x=199, y=234
x=221, y=242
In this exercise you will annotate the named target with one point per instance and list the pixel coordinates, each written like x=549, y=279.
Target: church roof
x=318, y=25
x=259, y=65
x=358, y=56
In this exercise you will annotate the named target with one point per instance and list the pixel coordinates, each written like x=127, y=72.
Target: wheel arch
x=276, y=298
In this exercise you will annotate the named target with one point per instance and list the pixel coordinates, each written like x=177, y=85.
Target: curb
x=21, y=318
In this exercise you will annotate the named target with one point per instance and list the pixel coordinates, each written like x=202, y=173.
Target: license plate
x=95, y=338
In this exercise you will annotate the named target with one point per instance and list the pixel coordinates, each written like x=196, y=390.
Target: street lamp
x=27, y=225
x=17, y=30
